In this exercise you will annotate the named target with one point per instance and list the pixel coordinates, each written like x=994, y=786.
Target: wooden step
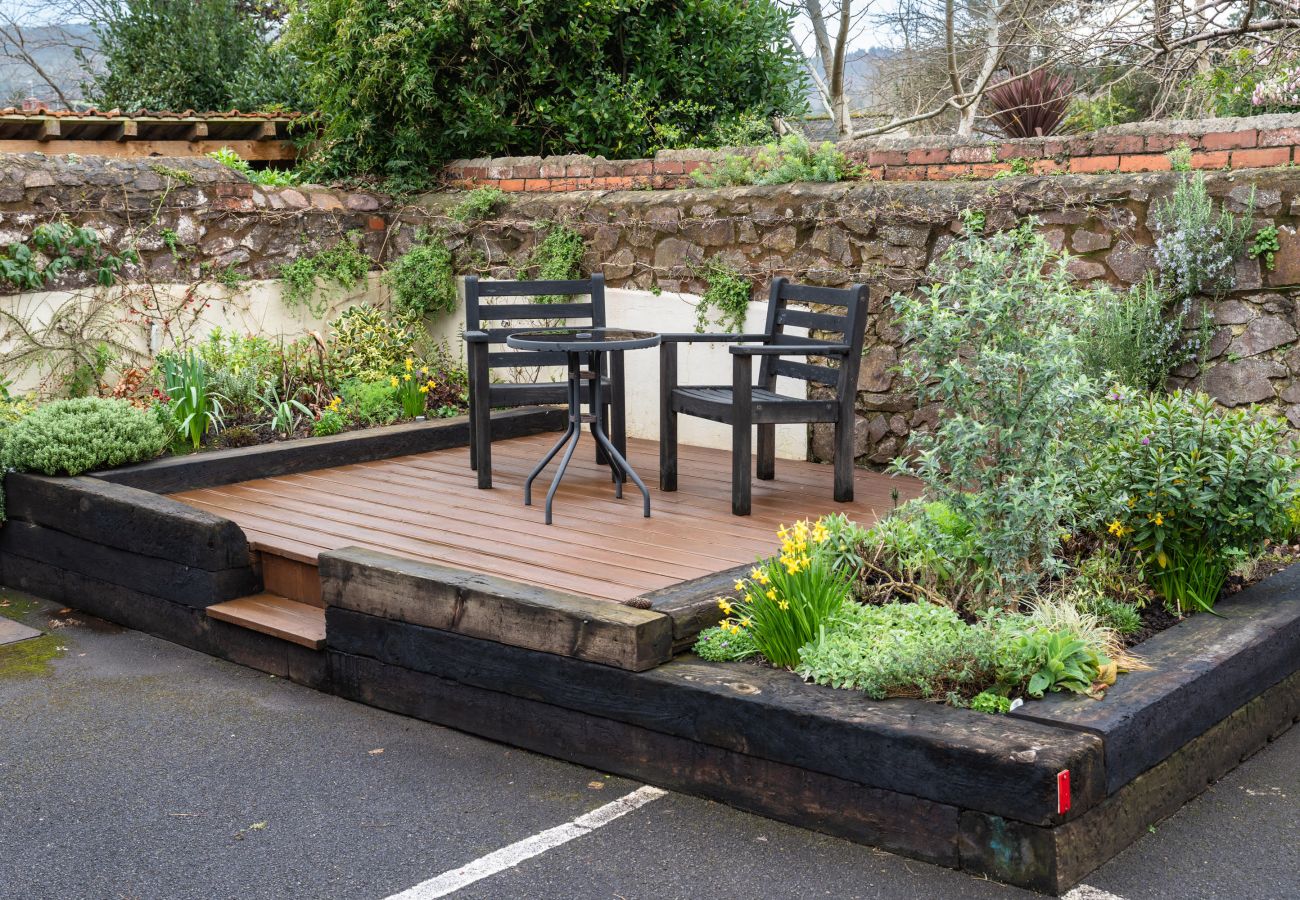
x=290, y=578
x=277, y=616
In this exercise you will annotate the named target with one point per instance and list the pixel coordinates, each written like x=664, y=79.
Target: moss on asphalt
x=29, y=658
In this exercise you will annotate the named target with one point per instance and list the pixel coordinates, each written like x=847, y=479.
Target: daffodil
x=771, y=594
x=394, y=381
x=783, y=604
x=739, y=585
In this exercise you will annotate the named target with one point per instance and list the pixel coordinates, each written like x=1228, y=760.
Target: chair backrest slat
x=590, y=314
x=497, y=312
x=531, y=288
x=848, y=327
x=800, y=318
x=806, y=371
x=498, y=359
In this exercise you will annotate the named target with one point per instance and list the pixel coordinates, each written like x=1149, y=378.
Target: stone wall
x=1243, y=143
x=883, y=234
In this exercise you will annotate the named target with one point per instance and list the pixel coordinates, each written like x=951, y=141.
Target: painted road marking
x=1088, y=892
x=513, y=855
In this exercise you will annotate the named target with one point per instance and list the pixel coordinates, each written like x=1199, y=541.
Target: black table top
x=577, y=339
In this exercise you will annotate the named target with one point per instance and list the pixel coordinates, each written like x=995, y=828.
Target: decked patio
x=425, y=507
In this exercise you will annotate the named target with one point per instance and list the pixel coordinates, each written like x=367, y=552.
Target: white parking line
x=513, y=855
x=1088, y=892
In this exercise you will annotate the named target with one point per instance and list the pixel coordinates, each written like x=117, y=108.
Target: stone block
x=1243, y=381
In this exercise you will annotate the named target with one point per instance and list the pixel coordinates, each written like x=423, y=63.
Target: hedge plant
x=403, y=85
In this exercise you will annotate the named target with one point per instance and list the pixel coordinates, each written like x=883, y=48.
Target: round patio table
x=584, y=345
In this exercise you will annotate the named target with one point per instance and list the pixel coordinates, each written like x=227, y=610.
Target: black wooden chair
x=487, y=325
x=742, y=404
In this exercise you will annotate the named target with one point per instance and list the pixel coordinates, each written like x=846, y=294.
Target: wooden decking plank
x=411, y=513
x=450, y=553
x=277, y=616
x=527, y=547
x=426, y=506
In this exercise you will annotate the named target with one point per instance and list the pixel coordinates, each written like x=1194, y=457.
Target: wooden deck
x=426, y=507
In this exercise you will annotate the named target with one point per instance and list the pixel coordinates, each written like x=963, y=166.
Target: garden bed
x=981, y=793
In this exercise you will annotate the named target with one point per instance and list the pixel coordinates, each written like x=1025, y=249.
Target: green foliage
x=1227, y=89
x=788, y=160
x=285, y=414
x=558, y=257
x=1180, y=158
x=726, y=292
x=1045, y=660
x=1190, y=488
x=989, y=702
x=239, y=366
x=87, y=376
x=1129, y=339
x=54, y=248
x=842, y=548
x=68, y=437
x=330, y=421
x=899, y=650
x=271, y=177
x=718, y=644
x=190, y=54
x=344, y=264
x=367, y=344
x=785, y=601
x=478, y=204
x=413, y=387
x=423, y=279
x=403, y=85
x=1265, y=245
x=1088, y=114
x=371, y=402
x=1124, y=618
x=993, y=344
x=195, y=407
x=1196, y=247
x=924, y=550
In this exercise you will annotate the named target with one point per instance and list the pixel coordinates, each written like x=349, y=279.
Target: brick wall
x=1247, y=143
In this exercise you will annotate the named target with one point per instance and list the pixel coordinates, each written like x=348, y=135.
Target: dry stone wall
x=883, y=234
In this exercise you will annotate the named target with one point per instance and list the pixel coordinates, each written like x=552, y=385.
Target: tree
x=191, y=54
x=404, y=84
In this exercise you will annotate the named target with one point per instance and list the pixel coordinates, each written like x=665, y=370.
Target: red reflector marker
x=1062, y=792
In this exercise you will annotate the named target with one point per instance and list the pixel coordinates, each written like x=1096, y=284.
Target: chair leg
x=482, y=418
x=741, y=442
x=618, y=403
x=473, y=444
x=766, y=452
x=667, y=418
x=844, y=462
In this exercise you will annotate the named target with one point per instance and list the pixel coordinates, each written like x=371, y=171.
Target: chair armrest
x=476, y=337
x=791, y=350
x=694, y=338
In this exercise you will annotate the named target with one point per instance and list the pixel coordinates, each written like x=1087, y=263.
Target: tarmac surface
x=134, y=768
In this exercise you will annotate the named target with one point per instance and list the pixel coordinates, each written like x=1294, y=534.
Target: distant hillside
x=51, y=48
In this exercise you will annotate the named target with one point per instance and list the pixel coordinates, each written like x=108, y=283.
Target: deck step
x=277, y=616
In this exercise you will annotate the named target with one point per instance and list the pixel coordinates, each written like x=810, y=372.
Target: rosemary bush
x=1197, y=247
x=1128, y=338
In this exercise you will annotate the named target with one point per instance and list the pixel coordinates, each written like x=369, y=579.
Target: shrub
x=1128, y=338
x=921, y=551
x=1031, y=105
x=788, y=160
x=727, y=292
x=1045, y=660
x=1197, y=248
x=899, y=650
x=68, y=437
x=239, y=366
x=993, y=343
x=786, y=600
x=403, y=85
x=191, y=54
x=1188, y=487
x=423, y=279
x=367, y=344
x=725, y=644
x=478, y=204
x=371, y=402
